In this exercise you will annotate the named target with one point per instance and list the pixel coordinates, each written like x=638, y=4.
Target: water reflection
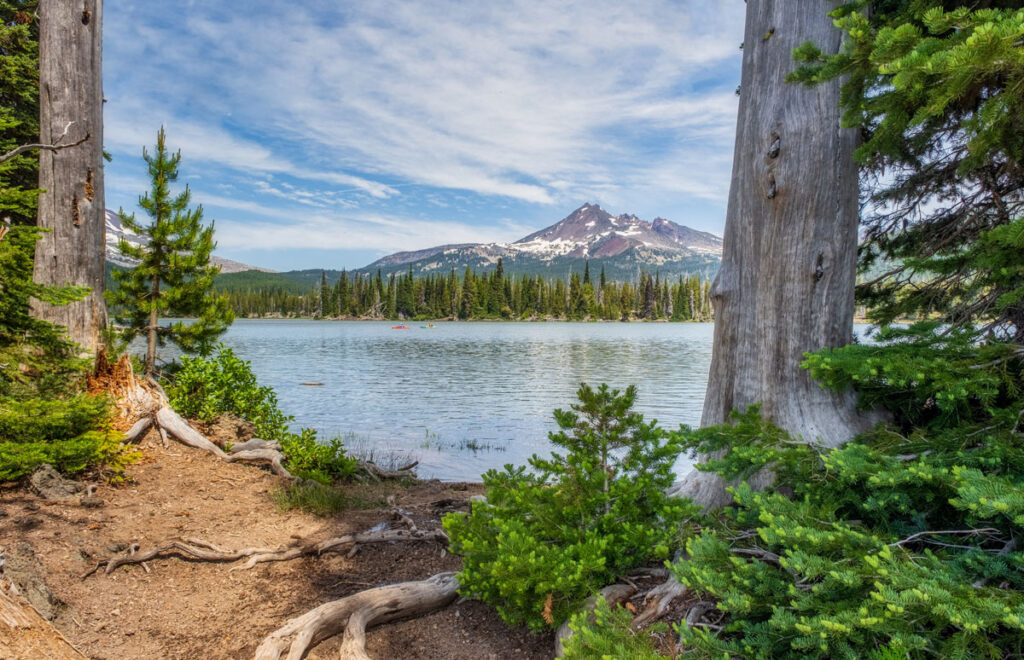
x=466, y=397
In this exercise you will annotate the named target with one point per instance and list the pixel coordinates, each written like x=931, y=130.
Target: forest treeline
x=486, y=295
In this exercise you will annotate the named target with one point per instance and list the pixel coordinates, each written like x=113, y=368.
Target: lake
x=466, y=397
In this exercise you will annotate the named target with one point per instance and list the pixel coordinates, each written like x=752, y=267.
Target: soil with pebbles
x=190, y=609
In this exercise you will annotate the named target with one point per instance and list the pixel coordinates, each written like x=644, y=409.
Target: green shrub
x=311, y=497
x=545, y=540
x=310, y=459
x=204, y=388
x=70, y=434
x=901, y=543
x=608, y=634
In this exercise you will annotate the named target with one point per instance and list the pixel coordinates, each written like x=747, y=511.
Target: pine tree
x=174, y=276
x=19, y=110
x=938, y=94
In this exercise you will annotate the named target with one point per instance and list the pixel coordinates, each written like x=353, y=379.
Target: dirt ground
x=189, y=609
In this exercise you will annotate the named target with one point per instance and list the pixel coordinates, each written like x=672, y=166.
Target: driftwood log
x=353, y=614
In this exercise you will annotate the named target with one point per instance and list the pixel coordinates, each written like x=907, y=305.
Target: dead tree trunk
x=72, y=205
x=786, y=282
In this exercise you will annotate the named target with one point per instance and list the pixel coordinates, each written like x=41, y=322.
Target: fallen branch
x=201, y=550
x=354, y=614
x=758, y=553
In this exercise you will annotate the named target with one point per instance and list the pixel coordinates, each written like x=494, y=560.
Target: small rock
x=28, y=522
x=3, y=514
x=48, y=483
x=31, y=506
x=91, y=502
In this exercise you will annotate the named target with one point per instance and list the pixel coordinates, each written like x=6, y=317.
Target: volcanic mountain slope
x=624, y=245
x=116, y=231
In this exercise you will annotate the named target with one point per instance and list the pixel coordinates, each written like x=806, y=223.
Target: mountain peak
x=624, y=243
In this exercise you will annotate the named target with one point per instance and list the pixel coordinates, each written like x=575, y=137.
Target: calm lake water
x=466, y=397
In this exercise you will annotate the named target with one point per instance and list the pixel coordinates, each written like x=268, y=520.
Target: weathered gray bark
x=70, y=108
x=353, y=614
x=786, y=282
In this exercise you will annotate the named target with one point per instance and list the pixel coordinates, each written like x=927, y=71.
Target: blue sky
x=330, y=133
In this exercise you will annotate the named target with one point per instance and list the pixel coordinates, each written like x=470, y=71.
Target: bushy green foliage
x=607, y=634
x=70, y=434
x=546, y=539
x=174, y=276
x=19, y=109
x=901, y=542
x=204, y=388
x=35, y=356
x=309, y=458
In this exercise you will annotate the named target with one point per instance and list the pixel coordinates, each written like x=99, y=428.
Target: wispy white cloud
x=326, y=231
x=125, y=132
x=544, y=102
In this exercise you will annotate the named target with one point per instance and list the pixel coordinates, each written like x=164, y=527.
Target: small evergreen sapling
x=174, y=276
x=546, y=539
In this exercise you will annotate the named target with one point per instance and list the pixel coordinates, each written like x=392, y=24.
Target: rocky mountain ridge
x=624, y=244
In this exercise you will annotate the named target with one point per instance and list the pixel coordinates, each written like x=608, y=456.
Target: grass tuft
x=311, y=497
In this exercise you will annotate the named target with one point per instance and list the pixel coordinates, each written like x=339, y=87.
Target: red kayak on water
x=399, y=327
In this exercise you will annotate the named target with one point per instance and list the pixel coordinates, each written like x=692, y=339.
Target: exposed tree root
x=354, y=614
x=270, y=457
x=142, y=403
x=182, y=431
x=138, y=430
x=201, y=550
x=658, y=600
x=254, y=443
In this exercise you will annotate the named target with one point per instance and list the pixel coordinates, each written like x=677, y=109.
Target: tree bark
x=72, y=204
x=786, y=282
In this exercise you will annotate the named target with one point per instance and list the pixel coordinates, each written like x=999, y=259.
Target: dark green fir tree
x=174, y=276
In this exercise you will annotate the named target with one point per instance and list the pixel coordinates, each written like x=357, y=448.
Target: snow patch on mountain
x=115, y=231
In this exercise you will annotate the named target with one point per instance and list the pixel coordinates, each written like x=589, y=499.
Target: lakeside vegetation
x=478, y=296
x=899, y=540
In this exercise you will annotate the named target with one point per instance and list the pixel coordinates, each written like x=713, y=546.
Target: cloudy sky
x=329, y=133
